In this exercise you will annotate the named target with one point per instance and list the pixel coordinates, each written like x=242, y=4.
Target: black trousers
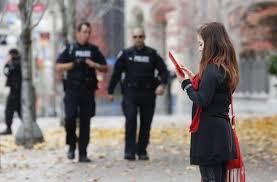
x=79, y=102
x=13, y=105
x=213, y=173
x=135, y=102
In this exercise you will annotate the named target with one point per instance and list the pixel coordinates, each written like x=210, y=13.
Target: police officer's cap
x=14, y=51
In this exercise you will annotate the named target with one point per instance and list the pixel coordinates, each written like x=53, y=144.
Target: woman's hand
x=187, y=71
x=180, y=77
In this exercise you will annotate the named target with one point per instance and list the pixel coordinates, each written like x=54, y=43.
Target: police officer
x=12, y=70
x=140, y=87
x=79, y=61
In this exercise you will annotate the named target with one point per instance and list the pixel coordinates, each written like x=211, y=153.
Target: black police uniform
x=138, y=87
x=80, y=84
x=14, y=80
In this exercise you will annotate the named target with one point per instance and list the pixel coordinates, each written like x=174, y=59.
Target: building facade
x=171, y=26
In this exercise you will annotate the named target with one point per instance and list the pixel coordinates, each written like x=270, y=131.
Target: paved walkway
x=169, y=160
x=165, y=165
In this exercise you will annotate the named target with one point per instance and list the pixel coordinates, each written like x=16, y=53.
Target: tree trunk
x=71, y=22
x=65, y=23
x=63, y=10
x=29, y=132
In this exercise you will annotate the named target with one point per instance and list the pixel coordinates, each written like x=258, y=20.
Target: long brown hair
x=219, y=50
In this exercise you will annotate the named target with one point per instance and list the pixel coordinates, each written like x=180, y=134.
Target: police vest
x=140, y=69
x=81, y=74
x=13, y=73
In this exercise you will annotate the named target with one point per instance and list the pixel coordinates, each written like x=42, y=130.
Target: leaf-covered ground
x=169, y=152
x=258, y=137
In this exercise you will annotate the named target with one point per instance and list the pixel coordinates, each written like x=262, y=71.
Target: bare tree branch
x=4, y=12
x=61, y=3
x=29, y=12
x=118, y=9
x=62, y=7
x=103, y=10
x=40, y=18
x=23, y=14
x=36, y=1
x=71, y=22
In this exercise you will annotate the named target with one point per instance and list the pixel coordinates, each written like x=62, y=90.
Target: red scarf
x=196, y=118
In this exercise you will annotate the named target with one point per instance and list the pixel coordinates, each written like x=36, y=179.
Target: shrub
x=272, y=65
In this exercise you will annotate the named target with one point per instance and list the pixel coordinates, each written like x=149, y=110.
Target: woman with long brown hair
x=210, y=91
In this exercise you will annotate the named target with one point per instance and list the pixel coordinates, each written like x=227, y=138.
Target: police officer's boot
x=7, y=131
x=143, y=157
x=83, y=156
x=129, y=156
x=84, y=159
x=71, y=152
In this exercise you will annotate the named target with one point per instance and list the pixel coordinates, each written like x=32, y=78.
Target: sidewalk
x=108, y=166
x=169, y=158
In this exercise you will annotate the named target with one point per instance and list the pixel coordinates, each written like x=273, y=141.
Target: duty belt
x=141, y=84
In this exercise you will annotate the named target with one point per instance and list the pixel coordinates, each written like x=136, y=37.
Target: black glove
x=79, y=62
x=8, y=69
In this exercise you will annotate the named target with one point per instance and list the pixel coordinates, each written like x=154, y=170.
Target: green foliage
x=272, y=65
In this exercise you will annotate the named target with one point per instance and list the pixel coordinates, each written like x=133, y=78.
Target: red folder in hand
x=178, y=68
